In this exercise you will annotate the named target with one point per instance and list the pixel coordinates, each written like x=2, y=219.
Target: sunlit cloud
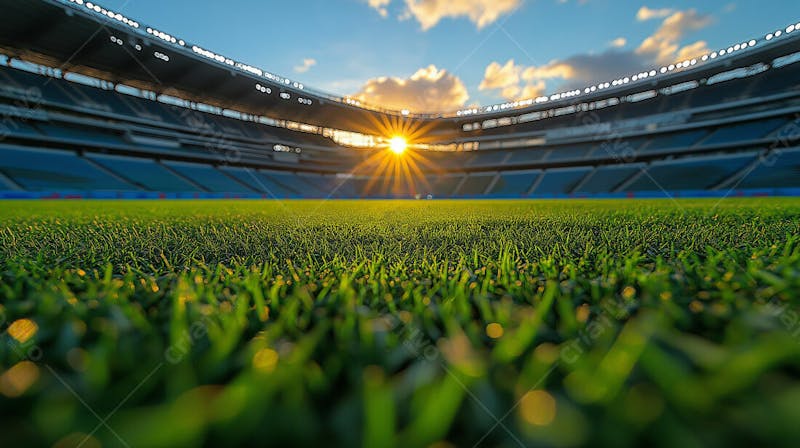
x=619, y=42
x=430, y=12
x=429, y=89
x=646, y=13
x=305, y=66
x=516, y=82
x=508, y=79
x=664, y=44
x=380, y=6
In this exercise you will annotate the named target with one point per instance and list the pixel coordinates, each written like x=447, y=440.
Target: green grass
x=368, y=323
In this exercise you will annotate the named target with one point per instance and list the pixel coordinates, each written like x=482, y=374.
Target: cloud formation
x=380, y=6
x=429, y=89
x=646, y=13
x=305, y=66
x=430, y=12
x=664, y=43
x=515, y=82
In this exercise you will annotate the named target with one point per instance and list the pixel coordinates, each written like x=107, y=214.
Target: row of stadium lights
x=789, y=30
x=110, y=14
x=628, y=79
x=472, y=111
x=285, y=95
x=166, y=37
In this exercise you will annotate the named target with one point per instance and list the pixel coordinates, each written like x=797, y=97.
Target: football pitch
x=400, y=323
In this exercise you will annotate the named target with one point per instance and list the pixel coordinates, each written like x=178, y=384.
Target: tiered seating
x=560, y=180
x=34, y=88
x=208, y=140
x=753, y=130
x=514, y=183
x=606, y=179
x=145, y=172
x=313, y=185
x=209, y=177
x=283, y=184
x=696, y=173
x=82, y=135
x=343, y=187
x=476, y=184
x=781, y=169
x=51, y=170
x=19, y=128
x=488, y=158
x=677, y=140
x=444, y=185
x=570, y=152
x=522, y=156
x=246, y=176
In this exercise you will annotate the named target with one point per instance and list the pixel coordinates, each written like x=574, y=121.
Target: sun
x=398, y=145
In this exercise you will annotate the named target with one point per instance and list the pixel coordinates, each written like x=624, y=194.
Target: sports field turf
x=547, y=323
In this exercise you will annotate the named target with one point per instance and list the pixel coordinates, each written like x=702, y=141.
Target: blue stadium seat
x=343, y=187
x=560, y=180
x=145, y=172
x=209, y=177
x=55, y=170
x=778, y=170
x=606, y=179
x=476, y=184
x=247, y=176
x=314, y=185
x=262, y=182
x=488, y=158
x=80, y=134
x=753, y=130
x=692, y=173
x=570, y=152
x=285, y=185
x=514, y=183
x=443, y=186
x=11, y=127
x=37, y=88
x=521, y=156
x=677, y=140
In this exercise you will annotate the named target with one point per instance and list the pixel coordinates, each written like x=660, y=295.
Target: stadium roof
x=82, y=37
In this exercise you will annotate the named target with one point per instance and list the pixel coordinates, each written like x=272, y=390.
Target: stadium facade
x=96, y=104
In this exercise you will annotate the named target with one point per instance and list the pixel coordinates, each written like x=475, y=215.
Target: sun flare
x=398, y=145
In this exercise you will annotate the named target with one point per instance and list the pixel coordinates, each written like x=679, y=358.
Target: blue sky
x=353, y=43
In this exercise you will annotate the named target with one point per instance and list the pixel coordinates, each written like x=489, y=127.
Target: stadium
x=229, y=256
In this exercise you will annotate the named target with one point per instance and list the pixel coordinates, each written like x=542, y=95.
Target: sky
x=443, y=55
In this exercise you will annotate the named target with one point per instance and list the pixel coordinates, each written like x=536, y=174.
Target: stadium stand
x=476, y=184
x=780, y=169
x=514, y=184
x=705, y=125
x=43, y=170
x=606, y=179
x=694, y=173
x=560, y=181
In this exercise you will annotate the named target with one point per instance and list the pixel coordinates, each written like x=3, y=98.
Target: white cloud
x=664, y=44
x=380, y=6
x=619, y=42
x=430, y=12
x=513, y=82
x=646, y=13
x=306, y=65
x=499, y=76
x=429, y=89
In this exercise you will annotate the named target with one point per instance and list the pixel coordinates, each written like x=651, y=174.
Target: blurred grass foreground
x=400, y=324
